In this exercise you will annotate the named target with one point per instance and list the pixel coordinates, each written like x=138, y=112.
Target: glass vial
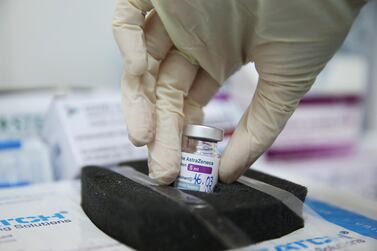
x=200, y=158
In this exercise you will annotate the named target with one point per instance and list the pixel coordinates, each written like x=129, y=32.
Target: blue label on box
x=345, y=218
x=13, y=184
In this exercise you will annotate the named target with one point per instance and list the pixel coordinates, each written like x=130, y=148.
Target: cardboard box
x=87, y=130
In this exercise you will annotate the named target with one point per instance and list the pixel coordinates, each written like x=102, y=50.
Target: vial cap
x=202, y=132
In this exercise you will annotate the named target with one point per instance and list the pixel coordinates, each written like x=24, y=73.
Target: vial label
x=198, y=173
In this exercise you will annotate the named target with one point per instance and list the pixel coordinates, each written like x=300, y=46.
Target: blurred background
x=60, y=108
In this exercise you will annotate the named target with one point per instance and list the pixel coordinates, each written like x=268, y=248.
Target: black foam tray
x=146, y=220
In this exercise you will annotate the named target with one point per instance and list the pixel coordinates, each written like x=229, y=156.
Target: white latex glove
x=289, y=41
x=160, y=88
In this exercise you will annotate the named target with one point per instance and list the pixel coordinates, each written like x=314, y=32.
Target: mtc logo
x=311, y=243
x=32, y=219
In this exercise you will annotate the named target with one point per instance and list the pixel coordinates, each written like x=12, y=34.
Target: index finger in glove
x=175, y=79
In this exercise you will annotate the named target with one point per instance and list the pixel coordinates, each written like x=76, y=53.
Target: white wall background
x=57, y=43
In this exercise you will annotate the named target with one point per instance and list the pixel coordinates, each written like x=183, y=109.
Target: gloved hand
x=289, y=41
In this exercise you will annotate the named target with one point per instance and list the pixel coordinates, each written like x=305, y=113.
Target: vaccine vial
x=200, y=158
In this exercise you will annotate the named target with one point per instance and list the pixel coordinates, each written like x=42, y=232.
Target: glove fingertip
x=163, y=175
x=163, y=163
x=141, y=137
x=165, y=178
x=139, y=114
x=237, y=157
x=225, y=174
